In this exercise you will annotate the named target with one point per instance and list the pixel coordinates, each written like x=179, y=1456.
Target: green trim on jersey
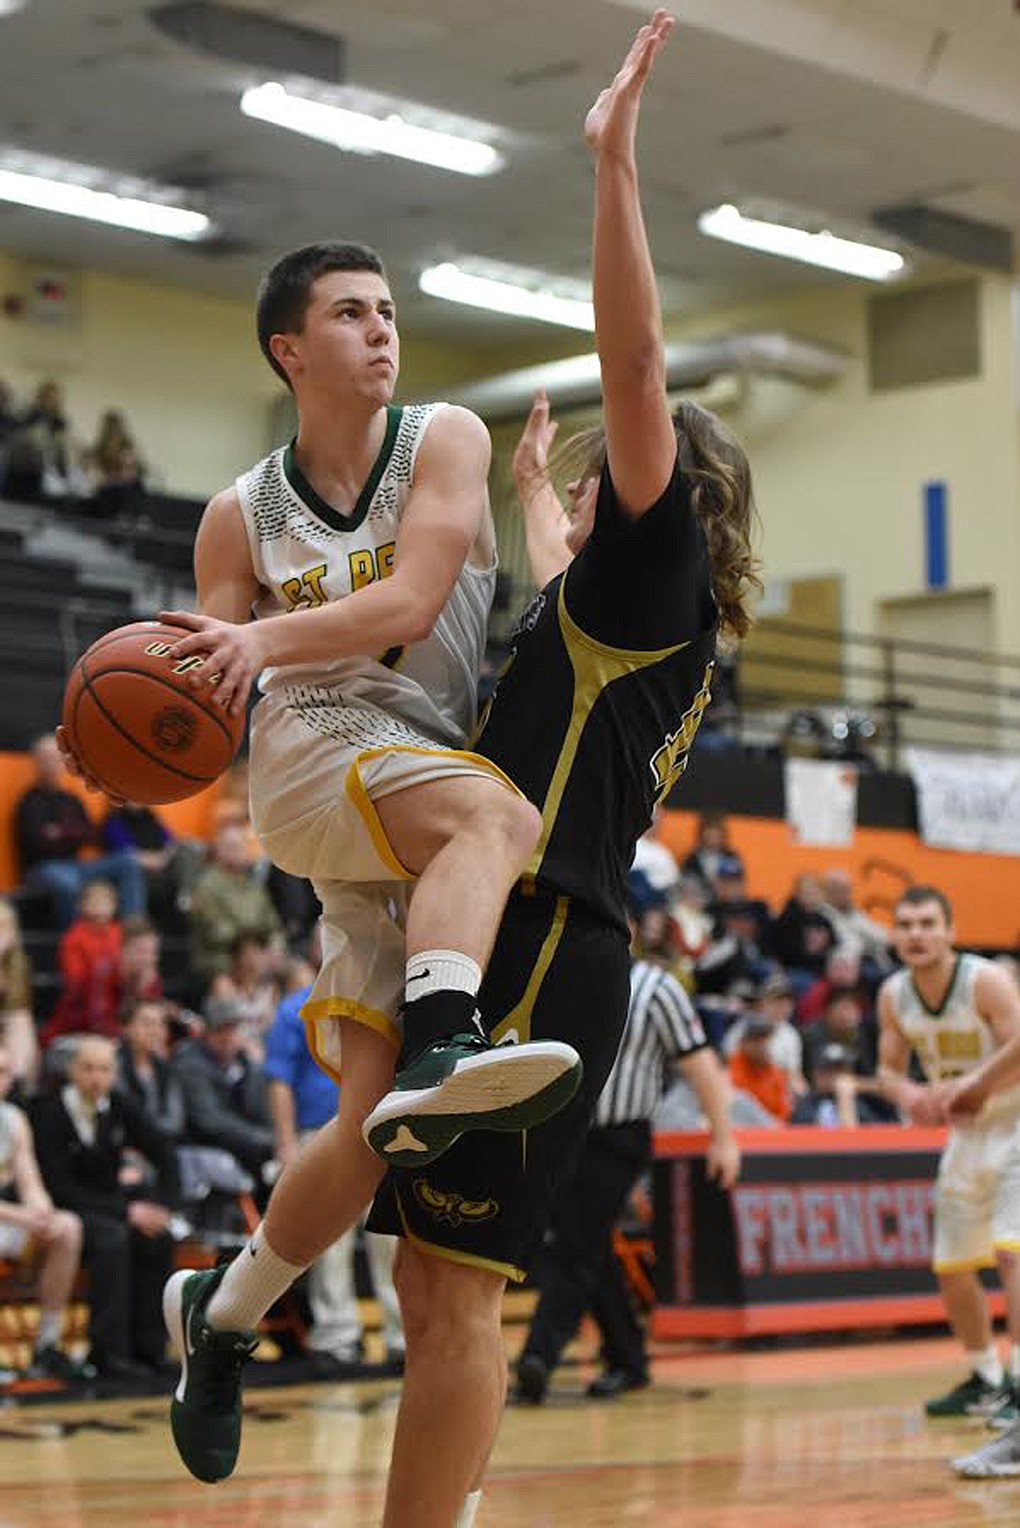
x=939, y=1011
x=318, y=506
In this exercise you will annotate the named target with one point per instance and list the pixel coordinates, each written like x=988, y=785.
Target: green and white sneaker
x=465, y=1083
x=998, y=1460
x=1008, y=1410
x=973, y=1397
x=205, y=1413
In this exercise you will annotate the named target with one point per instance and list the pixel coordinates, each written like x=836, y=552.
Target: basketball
x=137, y=725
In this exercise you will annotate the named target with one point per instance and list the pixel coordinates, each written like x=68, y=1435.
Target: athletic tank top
x=306, y=553
x=954, y=1039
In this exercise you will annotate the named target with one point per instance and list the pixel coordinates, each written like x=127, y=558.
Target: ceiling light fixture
x=824, y=249
x=78, y=201
x=360, y=133
x=455, y=284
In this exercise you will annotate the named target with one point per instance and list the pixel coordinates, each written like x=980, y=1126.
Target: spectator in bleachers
x=89, y=959
x=693, y=925
x=143, y=1069
x=17, y=1026
x=774, y=1004
x=83, y=1131
x=228, y=899
x=712, y=852
x=656, y=862
x=752, y=1070
x=28, y=1220
x=853, y=928
x=842, y=970
x=842, y=1023
x=138, y=974
x=8, y=424
x=801, y=937
x=835, y=1097
x=225, y=1093
x=251, y=987
x=115, y=469
x=52, y=828
x=735, y=952
x=303, y=1099
x=40, y=462
x=137, y=831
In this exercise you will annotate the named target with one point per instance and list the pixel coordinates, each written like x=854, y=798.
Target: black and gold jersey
x=608, y=675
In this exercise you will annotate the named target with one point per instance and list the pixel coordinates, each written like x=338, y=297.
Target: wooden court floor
x=816, y=1438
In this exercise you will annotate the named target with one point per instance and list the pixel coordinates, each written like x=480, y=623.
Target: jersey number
x=669, y=761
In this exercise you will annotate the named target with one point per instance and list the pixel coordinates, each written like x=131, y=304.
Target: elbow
x=419, y=625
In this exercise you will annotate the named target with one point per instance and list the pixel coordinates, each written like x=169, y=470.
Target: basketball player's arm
x=998, y=1003
x=640, y=437
x=444, y=514
x=917, y=1101
x=545, y=519
x=224, y=573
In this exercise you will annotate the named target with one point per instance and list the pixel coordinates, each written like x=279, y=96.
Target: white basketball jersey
x=955, y=1039
x=306, y=553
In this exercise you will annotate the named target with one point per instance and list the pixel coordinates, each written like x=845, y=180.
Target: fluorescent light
x=456, y=285
x=360, y=133
x=78, y=201
x=8, y=7
x=825, y=249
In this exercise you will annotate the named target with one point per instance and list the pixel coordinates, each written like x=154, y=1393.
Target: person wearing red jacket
x=89, y=957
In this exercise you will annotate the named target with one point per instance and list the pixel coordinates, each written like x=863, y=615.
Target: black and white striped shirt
x=662, y=1026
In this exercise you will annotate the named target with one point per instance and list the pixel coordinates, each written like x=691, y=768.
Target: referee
x=582, y=1273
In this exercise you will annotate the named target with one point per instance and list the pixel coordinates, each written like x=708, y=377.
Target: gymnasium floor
x=831, y=1436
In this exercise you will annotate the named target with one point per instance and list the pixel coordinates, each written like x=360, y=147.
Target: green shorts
x=557, y=973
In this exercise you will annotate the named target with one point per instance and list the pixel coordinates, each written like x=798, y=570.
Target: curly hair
x=719, y=477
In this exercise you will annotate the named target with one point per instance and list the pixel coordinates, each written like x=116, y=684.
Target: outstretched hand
x=611, y=125
x=531, y=457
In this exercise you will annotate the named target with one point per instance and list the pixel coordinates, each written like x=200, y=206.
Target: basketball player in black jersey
x=593, y=718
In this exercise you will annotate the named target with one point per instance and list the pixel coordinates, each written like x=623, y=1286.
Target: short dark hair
x=915, y=895
x=286, y=288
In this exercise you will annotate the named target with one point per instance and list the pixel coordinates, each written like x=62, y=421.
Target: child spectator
x=835, y=1098
x=753, y=1072
x=139, y=979
x=89, y=957
x=17, y=1035
x=693, y=924
x=28, y=1218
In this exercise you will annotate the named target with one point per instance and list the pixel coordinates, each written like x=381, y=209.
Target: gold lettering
x=670, y=760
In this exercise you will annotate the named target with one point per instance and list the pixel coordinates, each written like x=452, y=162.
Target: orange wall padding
x=983, y=888
x=187, y=819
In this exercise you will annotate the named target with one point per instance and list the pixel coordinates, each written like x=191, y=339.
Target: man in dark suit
x=81, y=1132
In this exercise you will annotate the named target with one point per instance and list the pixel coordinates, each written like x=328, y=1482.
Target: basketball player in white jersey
x=954, y=1011
x=366, y=553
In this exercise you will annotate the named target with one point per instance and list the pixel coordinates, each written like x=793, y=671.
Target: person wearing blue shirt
x=303, y=1098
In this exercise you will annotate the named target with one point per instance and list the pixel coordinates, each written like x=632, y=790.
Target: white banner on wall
x=821, y=801
x=967, y=800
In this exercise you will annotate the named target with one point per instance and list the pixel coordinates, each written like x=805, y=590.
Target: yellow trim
x=1008, y=1244
x=964, y=1265
x=344, y=1008
x=519, y=1017
x=452, y=1255
x=365, y=806
x=633, y=657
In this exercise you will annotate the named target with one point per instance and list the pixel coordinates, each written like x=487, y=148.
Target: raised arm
x=545, y=519
x=445, y=512
x=641, y=440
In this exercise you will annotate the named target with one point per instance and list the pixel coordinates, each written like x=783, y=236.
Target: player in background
x=953, y=1011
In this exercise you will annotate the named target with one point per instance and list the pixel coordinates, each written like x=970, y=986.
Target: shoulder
x=452, y=428
x=222, y=510
x=990, y=983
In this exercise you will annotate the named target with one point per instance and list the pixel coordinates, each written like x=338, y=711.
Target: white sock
x=1014, y=1363
x=51, y=1324
x=441, y=971
x=254, y=1281
x=986, y=1363
x=469, y=1511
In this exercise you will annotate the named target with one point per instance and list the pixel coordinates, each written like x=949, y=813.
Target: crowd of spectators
x=41, y=457
x=786, y=993
x=147, y=1102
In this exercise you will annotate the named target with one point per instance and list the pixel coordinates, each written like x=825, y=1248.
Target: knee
x=516, y=820
x=67, y=1230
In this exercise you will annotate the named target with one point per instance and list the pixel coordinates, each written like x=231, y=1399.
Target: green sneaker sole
x=412, y=1128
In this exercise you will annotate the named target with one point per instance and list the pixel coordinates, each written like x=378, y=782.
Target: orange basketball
x=138, y=726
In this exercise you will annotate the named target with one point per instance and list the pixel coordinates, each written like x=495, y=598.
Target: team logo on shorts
x=451, y=1207
x=174, y=728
